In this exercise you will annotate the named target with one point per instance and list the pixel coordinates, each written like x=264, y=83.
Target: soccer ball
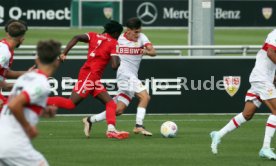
x=168, y=129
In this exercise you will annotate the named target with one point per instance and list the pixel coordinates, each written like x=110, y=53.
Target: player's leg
x=248, y=112
x=253, y=101
x=65, y=103
x=110, y=106
x=80, y=91
x=144, y=99
x=102, y=116
x=121, y=101
x=266, y=150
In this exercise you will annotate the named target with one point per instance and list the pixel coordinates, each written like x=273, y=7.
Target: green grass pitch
x=62, y=142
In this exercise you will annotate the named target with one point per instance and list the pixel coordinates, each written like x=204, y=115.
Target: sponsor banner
x=227, y=12
x=36, y=13
x=175, y=85
x=95, y=12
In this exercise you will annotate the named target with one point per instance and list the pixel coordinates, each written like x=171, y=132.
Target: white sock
x=111, y=127
x=98, y=117
x=232, y=124
x=141, y=112
x=269, y=130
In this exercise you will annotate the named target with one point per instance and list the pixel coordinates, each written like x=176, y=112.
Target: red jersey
x=101, y=48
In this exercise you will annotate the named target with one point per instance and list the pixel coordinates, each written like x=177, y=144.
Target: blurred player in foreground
x=132, y=46
x=262, y=90
x=15, y=35
x=25, y=104
x=102, y=48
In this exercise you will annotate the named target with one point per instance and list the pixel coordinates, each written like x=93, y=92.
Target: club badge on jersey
x=231, y=84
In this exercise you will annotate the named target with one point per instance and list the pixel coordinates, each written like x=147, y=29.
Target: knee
x=119, y=112
x=145, y=98
x=248, y=116
x=120, y=108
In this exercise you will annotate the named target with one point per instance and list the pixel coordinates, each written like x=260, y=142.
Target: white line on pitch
x=163, y=120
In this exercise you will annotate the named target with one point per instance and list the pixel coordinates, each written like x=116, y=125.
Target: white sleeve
x=37, y=93
x=5, y=56
x=145, y=40
x=271, y=39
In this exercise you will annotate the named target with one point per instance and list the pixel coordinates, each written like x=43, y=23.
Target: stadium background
x=65, y=13
x=237, y=22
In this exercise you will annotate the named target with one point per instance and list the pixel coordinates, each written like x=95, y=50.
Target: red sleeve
x=114, y=46
x=91, y=35
x=26, y=94
x=147, y=44
x=271, y=46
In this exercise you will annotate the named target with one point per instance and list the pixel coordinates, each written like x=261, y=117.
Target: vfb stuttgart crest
x=108, y=11
x=267, y=12
x=231, y=84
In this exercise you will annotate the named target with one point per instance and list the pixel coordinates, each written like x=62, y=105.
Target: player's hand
x=50, y=111
x=62, y=57
x=32, y=68
x=145, y=51
x=31, y=131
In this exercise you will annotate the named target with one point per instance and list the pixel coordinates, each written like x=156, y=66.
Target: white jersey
x=130, y=53
x=13, y=139
x=6, y=58
x=264, y=69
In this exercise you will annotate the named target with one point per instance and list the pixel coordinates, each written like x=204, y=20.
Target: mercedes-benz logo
x=147, y=13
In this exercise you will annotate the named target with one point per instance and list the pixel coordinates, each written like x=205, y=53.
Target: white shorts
x=32, y=158
x=127, y=87
x=260, y=91
x=15, y=147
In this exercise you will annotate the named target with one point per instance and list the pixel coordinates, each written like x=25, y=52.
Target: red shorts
x=88, y=83
x=4, y=100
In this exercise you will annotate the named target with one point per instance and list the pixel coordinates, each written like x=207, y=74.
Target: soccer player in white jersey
x=15, y=35
x=132, y=46
x=262, y=90
x=25, y=104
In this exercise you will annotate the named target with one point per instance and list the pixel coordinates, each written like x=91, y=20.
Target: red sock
x=111, y=112
x=61, y=102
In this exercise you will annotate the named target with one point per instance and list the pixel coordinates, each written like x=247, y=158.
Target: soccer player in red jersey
x=102, y=49
x=15, y=35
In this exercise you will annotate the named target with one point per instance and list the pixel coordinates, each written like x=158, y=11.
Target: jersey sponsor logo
x=130, y=50
x=267, y=12
x=147, y=12
x=231, y=84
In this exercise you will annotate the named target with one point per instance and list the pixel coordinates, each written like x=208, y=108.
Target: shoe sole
x=140, y=132
x=85, y=123
x=119, y=136
x=215, y=152
x=263, y=156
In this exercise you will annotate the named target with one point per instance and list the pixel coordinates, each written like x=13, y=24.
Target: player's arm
x=6, y=86
x=16, y=106
x=72, y=43
x=149, y=50
x=271, y=53
x=115, y=62
x=15, y=74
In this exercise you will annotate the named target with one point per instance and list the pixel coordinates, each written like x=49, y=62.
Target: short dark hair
x=16, y=28
x=112, y=27
x=48, y=51
x=134, y=23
